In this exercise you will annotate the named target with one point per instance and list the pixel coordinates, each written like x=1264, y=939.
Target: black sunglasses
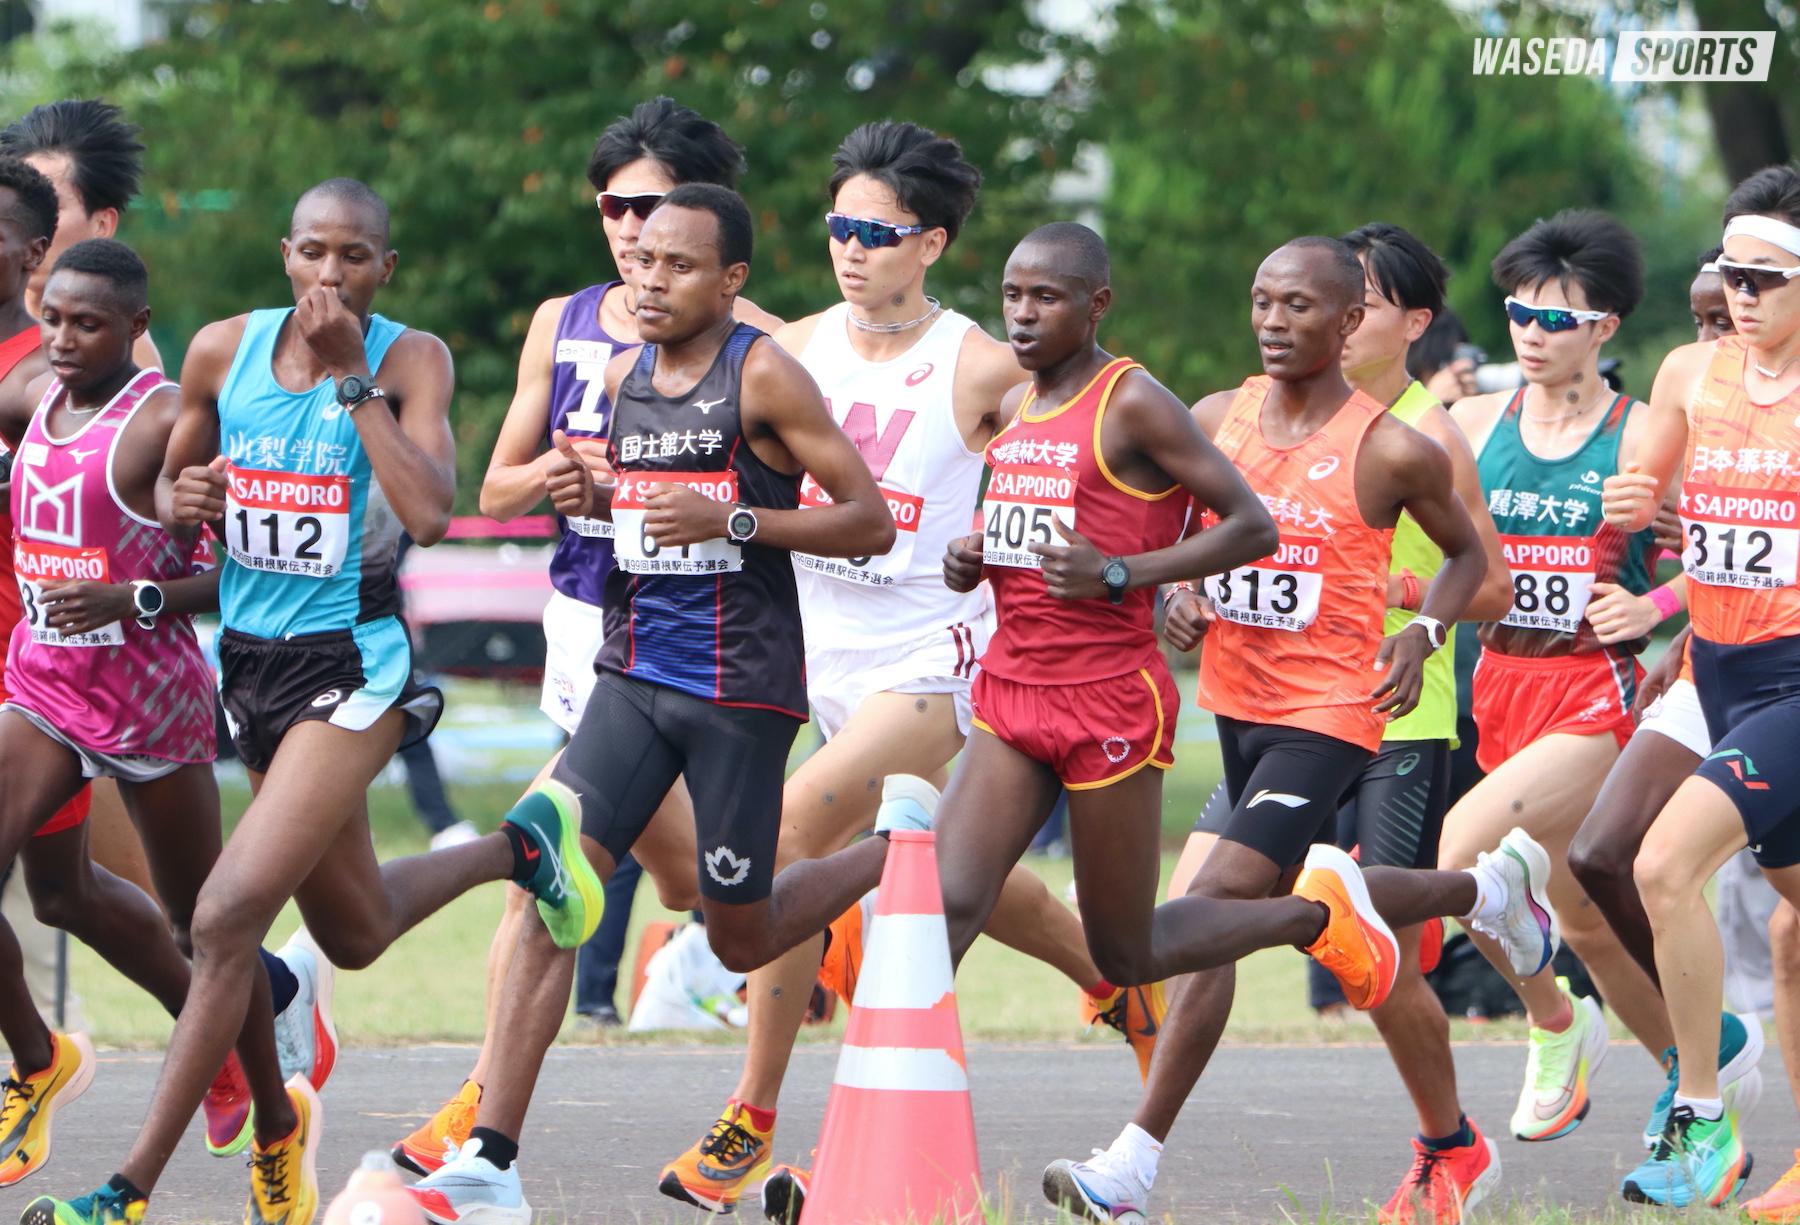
x=1754, y=280
x=869, y=232
x=613, y=207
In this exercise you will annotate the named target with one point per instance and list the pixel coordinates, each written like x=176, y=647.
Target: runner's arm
x=986, y=371
x=1494, y=598
x=515, y=480
x=192, y=460
x=1630, y=499
x=79, y=607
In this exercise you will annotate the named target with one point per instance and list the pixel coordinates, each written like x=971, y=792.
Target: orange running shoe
x=1780, y=1204
x=1357, y=946
x=1442, y=1186
x=1136, y=1012
x=424, y=1151
x=715, y=1172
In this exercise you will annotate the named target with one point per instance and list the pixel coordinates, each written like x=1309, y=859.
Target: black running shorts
x=1395, y=810
x=1285, y=785
x=636, y=737
x=1750, y=695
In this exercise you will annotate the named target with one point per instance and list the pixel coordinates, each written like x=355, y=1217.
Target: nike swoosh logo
x=1549, y=1110
x=1279, y=797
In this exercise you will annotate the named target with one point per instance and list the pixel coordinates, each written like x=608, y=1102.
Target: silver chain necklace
x=1778, y=371
x=864, y=325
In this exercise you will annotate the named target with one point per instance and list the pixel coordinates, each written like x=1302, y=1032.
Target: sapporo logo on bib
x=637, y=552
x=882, y=571
x=1553, y=577
x=1281, y=592
x=1018, y=510
x=35, y=564
x=287, y=522
x=1739, y=537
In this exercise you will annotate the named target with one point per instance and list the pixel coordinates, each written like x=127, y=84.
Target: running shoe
x=227, y=1109
x=305, y=1035
x=284, y=1177
x=1444, y=1185
x=569, y=895
x=1740, y=1081
x=1527, y=926
x=470, y=1188
x=1102, y=1188
x=1558, y=1071
x=907, y=802
x=442, y=1135
x=1136, y=1012
x=713, y=1174
x=784, y=1193
x=106, y=1206
x=27, y=1107
x=1779, y=1205
x=1696, y=1161
x=1357, y=946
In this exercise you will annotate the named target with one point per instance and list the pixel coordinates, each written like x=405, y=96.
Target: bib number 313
x=1280, y=593
x=287, y=522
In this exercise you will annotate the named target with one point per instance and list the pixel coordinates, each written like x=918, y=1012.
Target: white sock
x=1708, y=1108
x=1135, y=1145
x=1490, y=896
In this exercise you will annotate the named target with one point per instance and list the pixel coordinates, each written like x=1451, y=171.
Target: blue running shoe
x=1696, y=1161
x=107, y=1206
x=569, y=894
x=1740, y=1082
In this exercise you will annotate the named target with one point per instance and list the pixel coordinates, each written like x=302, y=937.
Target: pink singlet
x=120, y=691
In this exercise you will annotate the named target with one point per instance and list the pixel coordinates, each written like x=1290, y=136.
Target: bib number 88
x=1552, y=596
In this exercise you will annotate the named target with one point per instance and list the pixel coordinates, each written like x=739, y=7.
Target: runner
x=1708, y=399
x=701, y=672
x=316, y=674
x=890, y=650
x=1552, y=702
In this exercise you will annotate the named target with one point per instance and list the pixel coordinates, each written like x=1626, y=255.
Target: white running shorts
x=572, y=635
x=943, y=661
x=1677, y=715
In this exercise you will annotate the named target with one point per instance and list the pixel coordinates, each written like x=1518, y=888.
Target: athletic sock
x=1708, y=1108
x=1462, y=1137
x=496, y=1149
x=523, y=867
x=283, y=985
x=762, y=1120
x=125, y=1187
x=1140, y=1151
x=1561, y=1021
x=1490, y=897
x=1100, y=990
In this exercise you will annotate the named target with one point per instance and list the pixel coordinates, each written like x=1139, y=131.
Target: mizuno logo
x=723, y=858
x=1278, y=797
x=81, y=457
x=706, y=406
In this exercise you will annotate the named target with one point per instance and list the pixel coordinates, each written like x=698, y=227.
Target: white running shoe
x=1558, y=1071
x=907, y=802
x=454, y=835
x=468, y=1188
x=1102, y=1188
x=305, y=1034
x=1527, y=928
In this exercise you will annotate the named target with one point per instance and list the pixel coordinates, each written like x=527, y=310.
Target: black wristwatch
x=1116, y=575
x=740, y=525
x=147, y=598
x=354, y=389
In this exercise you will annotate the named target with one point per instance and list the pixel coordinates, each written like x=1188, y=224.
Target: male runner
x=890, y=650
x=701, y=671
x=336, y=438
x=1737, y=503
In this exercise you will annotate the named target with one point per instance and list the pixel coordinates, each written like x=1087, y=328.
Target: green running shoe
x=569, y=894
x=1696, y=1161
x=107, y=1206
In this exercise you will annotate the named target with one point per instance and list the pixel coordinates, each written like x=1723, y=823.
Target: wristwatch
x=740, y=525
x=353, y=389
x=1115, y=574
x=147, y=598
x=1435, y=633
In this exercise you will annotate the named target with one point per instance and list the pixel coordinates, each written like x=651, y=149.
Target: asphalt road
x=1273, y=1127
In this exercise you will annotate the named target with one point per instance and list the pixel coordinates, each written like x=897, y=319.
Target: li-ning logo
x=706, y=406
x=1266, y=796
x=723, y=858
x=920, y=375
x=1322, y=469
x=1106, y=746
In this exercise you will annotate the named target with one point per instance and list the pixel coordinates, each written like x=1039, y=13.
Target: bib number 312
x=1739, y=538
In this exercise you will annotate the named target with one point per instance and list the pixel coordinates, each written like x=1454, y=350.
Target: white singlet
x=901, y=416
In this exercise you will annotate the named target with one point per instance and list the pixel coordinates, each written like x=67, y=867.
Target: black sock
x=1462, y=1137
x=496, y=1148
x=122, y=1184
x=523, y=862
x=283, y=986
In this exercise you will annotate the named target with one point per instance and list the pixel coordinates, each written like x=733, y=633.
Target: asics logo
x=919, y=376
x=1323, y=468
x=723, y=858
x=328, y=697
x=1266, y=796
x=706, y=406
x=1408, y=764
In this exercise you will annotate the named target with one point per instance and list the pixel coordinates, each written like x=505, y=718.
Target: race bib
x=286, y=522
x=36, y=564
x=1553, y=576
x=1279, y=593
x=594, y=529
x=1018, y=510
x=883, y=571
x=637, y=552
x=1739, y=537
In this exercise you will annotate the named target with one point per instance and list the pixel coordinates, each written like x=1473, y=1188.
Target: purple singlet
x=580, y=408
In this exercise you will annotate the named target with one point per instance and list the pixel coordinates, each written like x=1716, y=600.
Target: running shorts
x=636, y=737
x=1677, y=715
x=348, y=678
x=127, y=767
x=1520, y=701
x=76, y=810
x=943, y=661
x=1286, y=785
x=1751, y=696
x=1092, y=734
x=573, y=632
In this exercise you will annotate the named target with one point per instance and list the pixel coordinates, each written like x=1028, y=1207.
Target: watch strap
x=1435, y=632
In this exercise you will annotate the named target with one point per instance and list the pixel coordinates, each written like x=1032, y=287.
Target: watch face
x=742, y=523
x=1116, y=574
x=149, y=599
x=350, y=387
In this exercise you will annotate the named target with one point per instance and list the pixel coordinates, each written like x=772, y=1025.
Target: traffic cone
x=898, y=1144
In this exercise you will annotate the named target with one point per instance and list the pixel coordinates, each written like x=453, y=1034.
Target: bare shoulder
x=218, y=338
x=1209, y=411
x=770, y=367
x=795, y=336
x=746, y=311
x=1476, y=414
x=1139, y=391
x=1686, y=365
x=1437, y=424
x=549, y=313
x=987, y=358
x=1410, y=454
x=416, y=351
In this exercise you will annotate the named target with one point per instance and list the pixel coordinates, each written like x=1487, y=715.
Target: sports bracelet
x=1412, y=594
x=1666, y=601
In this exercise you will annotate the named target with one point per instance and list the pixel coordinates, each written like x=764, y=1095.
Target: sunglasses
x=1551, y=318
x=869, y=233
x=613, y=207
x=1752, y=280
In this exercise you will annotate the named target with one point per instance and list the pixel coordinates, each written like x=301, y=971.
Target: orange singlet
x=1740, y=507
x=1296, y=640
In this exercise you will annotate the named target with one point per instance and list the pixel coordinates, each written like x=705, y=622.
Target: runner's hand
x=1402, y=656
x=80, y=606
x=593, y=451
x=1656, y=682
x=1626, y=497
x=569, y=480
x=1186, y=617
x=199, y=494
x=675, y=515
x=1072, y=572
x=333, y=334
x=962, y=563
x=1668, y=530
x=1619, y=616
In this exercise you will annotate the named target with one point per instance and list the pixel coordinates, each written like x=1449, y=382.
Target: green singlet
x=1435, y=716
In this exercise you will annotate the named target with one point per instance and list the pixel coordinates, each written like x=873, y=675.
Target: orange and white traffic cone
x=898, y=1144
